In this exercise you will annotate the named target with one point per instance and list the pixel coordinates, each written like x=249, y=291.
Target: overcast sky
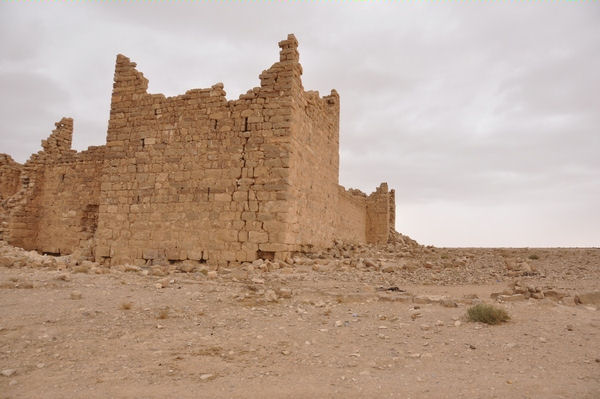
x=484, y=116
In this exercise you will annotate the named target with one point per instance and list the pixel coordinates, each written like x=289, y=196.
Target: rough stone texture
x=196, y=177
x=10, y=172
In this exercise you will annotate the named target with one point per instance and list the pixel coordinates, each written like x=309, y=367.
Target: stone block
x=102, y=251
x=258, y=237
x=150, y=253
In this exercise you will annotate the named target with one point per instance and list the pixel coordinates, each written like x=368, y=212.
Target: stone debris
x=588, y=298
x=344, y=316
x=76, y=295
x=518, y=291
x=8, y=372
x=270, y=296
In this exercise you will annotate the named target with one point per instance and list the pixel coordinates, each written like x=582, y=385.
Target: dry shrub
x=487, y=314
x=126, y=305
x=533, y=257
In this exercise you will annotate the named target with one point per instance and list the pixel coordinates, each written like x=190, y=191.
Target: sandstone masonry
x=195, y=177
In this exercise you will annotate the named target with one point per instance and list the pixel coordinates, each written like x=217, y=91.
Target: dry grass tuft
x=533, y=257
x=487, y=314
x=126, y=305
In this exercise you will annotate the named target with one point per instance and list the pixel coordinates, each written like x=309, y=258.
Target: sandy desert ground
x=351, y=322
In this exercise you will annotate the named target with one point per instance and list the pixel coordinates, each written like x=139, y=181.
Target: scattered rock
x=511, y=298
x=159, y=271
x=284, y=293
x=588, y=298
x=8, y=372
x=270, y=296
x=132, y=268
x=553, y=294
x=388, y=268
x=76, y=295
x=212, y=274
x=448, y=303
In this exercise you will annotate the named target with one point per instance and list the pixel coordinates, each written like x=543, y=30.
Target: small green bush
x=533, y=257
x=487, y=314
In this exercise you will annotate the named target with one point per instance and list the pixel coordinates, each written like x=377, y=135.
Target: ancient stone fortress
x=195, y=177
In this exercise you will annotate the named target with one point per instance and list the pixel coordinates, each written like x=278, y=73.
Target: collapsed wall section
x=69, y=193
x=57, y=194
x=380, y=214
x=10, y=177
x=10, y=172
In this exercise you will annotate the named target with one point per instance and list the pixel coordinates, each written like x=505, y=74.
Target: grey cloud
x=484, y=116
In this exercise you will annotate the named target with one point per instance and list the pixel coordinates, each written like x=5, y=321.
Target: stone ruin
x=195, y=177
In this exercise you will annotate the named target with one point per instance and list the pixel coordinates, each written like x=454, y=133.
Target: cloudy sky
x=484, y=116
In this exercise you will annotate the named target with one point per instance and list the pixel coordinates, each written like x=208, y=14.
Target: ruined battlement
x=196, y=177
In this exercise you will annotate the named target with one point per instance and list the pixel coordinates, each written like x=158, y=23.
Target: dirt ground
x=352, y=323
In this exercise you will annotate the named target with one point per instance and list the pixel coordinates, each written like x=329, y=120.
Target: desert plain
x=354, y=321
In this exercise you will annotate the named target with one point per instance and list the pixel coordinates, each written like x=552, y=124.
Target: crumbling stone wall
x=10, y=171
x=59, y=189
x=197, y=178
x=379, y=216
x=70, y=194
x=351, y=216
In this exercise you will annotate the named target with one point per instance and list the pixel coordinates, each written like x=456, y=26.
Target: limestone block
x=273, y=247
x=150, y=253
x=195, y=254
x=223, y=197
x=102, y=251
x=258, y=237
x=176, y=254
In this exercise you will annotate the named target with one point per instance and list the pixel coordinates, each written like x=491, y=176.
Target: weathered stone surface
x=196, y=177
x=588, y=298
x=511, y=298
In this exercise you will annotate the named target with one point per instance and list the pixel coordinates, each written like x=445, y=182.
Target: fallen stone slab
x=588, y=298
x=427, y=299
x=394, y=297
x=511, y=298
